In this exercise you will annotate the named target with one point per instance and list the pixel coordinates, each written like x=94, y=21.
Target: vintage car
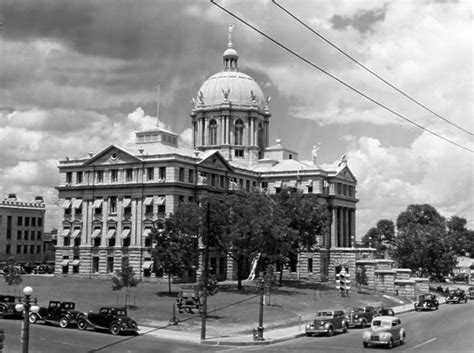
x=426, y=301
x=57, y=313
x=384, y=312
x=327, y=322
x=188, y=300
x=43, y=269
x=7, y=306
x=111, y=319
x=361, y=316
x=460, y=278
x=456, y=296
x=470, y=292
x=384, y=330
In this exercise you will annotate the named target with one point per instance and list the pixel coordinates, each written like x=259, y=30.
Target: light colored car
x=384, y=330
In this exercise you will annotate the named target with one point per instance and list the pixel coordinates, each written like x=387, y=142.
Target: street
x=445, y=330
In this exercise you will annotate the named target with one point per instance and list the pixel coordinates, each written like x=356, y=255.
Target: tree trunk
x=239, y=275
x=280, y=280
x=169, y=283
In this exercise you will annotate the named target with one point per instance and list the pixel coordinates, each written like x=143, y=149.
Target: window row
x=344, y=189
x=23, y=249
x=27, y=235
x=109, y=238
x=127, y=175
x=29, y=221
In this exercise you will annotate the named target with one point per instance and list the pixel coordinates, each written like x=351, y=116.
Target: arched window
x=239, y=132
x=212, y=132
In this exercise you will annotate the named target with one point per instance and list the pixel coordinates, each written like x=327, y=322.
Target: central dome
x=231, y=86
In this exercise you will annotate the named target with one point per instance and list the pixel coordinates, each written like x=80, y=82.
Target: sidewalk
x=271, y=336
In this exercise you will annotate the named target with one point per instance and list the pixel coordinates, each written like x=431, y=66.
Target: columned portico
x=342, y=227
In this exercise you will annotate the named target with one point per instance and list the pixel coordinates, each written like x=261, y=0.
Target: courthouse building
x=111, y=199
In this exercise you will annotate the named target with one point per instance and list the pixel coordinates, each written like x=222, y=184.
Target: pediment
x=346, y=174
x=112, y=155
x=216, y=161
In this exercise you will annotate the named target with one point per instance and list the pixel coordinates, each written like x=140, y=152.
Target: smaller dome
x=230, y=53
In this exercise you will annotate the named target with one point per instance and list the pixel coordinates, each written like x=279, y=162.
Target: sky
x=77, y=76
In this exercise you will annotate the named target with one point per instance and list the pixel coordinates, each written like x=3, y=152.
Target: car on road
x=7, y=306
x=456, y=296
x=110, y=319
x=384, y=330
x=384, y=312
x=327, y=322
x=426, y=301
x=57, y=313
x=460, y=278
x=361, y=316
x=43, y=269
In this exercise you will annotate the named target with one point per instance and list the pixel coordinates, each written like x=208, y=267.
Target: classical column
x=333, y=228
x=353, y=227
x=346, y=228
x=340, y=233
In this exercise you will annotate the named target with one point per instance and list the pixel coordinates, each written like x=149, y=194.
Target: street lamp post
x=26, y=306
x=260, y=315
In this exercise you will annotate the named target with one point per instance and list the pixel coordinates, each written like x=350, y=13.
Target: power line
x=369, y=70
x=338, y=79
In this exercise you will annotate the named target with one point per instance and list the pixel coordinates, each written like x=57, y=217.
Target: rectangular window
x=181, y=174
x=162, y=173
x=239, y=153
x=18, y=249
x=18, y=234
x=310, y=265
x=191, y=176
x=79, y=178
x=95, y=264
x=110, y=264
x=113, y=204
x=8, y=249
x=181, y=199
x=247, y=185
x=69, y=178
x=40, y=222
x=213, y=180
x=38, y=249
x=129, y=174
x=33, y=221
x=9, y=227
x=33, y=235
x=344, y=189
x=39, y=235
x=339, y=188
x=150, y=174
x=100, y=176
x=26, y=235
x=222, y=181
x=114, y=175
x=97, y=206
x=19, y=221
x=27, y=221
x=25, y=249
x=32, y=249
x=190, y=199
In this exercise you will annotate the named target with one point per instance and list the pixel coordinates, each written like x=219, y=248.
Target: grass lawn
x=230, y=311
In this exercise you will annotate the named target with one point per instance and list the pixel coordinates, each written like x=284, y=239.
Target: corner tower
x=230, y=113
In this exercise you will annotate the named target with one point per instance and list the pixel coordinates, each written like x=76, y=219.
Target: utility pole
x=205, y=272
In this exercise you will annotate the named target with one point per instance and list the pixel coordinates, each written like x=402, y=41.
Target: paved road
x=52, y=339
x=450, y=329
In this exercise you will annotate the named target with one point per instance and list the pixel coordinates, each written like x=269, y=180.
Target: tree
x=12, y=273
x=174, y=242
x=462, y=238
x=124, y=278
x=422, y=243
x=381, y=237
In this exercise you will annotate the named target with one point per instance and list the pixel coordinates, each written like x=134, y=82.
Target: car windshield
x=324, y=314
x=357, y=310
x=120, y=313
x=381, y=323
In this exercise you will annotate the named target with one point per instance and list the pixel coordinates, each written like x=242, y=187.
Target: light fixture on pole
x=26, y=306
x=260, y=316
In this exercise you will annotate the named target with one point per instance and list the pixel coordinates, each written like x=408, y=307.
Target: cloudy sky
x=77, y=76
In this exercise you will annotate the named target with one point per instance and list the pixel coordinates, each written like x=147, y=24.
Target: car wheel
x=63, y=322
x=330, y=332
x=365, y=344
x=115, y=329
x=33, y=318
x=403, y=340
x=308, y=335
x=345, y=328
x=81, y=325
x=2, y=312
x=390, y=344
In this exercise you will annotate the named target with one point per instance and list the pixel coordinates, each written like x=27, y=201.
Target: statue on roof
x=314, y=153
x=342, y=161
x=231, y=29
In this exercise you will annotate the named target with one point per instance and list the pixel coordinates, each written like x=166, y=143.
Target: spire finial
x=231, y=29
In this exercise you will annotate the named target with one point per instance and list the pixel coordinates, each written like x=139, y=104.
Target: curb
x=252, y=343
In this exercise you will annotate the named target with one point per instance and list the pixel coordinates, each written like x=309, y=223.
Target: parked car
x=361, y=316
x=111, y=319
x=7, y=306
x=43, y=269
x=384, y=330
x=327, y=322
x=426, y=301
x=460, y=278
x=456, y=296
x=470, y=292
x=57, y=313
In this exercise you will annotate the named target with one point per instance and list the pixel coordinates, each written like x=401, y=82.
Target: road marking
x=67, y=343
x=422, y=344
